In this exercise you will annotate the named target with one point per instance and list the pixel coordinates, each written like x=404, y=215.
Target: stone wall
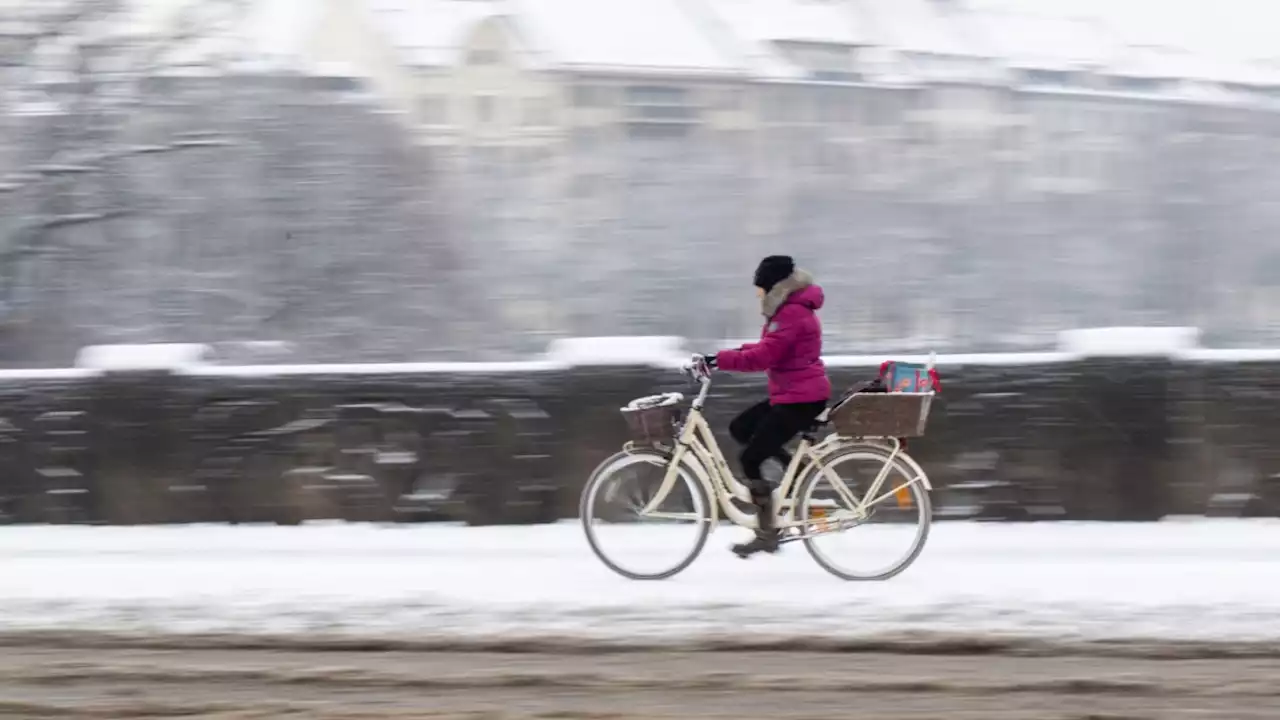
x=1047, y=437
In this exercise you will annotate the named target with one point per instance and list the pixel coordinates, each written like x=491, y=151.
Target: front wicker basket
x=882, y=415
x=653, y=425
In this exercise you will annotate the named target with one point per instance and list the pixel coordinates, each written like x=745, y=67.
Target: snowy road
x=1190, y=579
x=1171, y=621
x=240, y=684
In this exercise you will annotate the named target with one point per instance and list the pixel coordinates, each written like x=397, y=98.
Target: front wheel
x=894, y=526
x=637, y=545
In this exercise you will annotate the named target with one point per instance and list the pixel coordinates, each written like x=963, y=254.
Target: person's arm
x=763, y=355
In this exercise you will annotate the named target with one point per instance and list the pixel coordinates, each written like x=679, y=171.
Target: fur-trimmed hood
x=790, y=347
x=798, y=288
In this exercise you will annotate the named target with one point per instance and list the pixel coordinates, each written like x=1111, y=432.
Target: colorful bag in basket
x=909, y=377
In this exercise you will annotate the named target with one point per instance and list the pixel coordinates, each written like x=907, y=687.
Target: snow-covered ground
x=1193, y=579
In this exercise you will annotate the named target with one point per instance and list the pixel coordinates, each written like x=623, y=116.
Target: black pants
x=763, y=430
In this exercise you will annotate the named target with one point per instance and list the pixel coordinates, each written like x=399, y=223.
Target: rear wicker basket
x=882, y=415
x=653, y=425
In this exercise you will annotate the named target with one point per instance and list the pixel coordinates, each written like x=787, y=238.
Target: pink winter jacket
x=790, y=347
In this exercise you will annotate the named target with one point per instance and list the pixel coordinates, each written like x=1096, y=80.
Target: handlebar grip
x=697, y=368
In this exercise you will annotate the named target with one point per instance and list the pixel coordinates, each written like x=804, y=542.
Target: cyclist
x=790, y=352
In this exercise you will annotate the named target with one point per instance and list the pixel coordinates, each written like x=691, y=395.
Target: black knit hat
x=773, y=270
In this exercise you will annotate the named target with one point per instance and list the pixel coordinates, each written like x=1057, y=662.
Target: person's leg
x=772, y=433
x=775, y=430
x=742, y=427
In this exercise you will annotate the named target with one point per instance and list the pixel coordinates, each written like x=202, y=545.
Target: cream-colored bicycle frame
x=697, y=449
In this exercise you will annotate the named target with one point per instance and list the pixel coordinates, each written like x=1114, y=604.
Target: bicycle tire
x=919, y=493
x=616, y=462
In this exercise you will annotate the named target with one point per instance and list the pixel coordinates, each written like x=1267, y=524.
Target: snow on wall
x=367, y=369
x=1205, y=355
x=156, y=356
x=1128, y=341
x=837, y=361
x=1169, y=342
x=656, y=351
x=47, y=374
x=196, y=360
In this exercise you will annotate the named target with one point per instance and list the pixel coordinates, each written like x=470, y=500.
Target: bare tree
x=74, y=76
x=163, y=187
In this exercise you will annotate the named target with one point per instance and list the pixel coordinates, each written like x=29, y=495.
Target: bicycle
x=868, y=426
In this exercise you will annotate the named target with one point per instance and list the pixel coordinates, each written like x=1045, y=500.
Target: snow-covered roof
x=1208, y=40
x=1237, y=29
x=1205, y=40
x=1037, y=41
x=927, y=41
x=429, y=33
x=1152, y=61
x=655, y=35
x=919, y=26
x=828, y=22
x=756, y=26
x=1235, y=72
x=665, y=36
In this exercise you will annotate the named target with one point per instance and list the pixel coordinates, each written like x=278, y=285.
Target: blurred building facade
x=962, y=174
x=958, y=172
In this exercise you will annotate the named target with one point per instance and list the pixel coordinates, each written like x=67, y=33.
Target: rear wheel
x=644, y=546
x=891, y=535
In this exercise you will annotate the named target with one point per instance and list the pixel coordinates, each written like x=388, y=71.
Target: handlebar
x=700, y=372
x=697, y=369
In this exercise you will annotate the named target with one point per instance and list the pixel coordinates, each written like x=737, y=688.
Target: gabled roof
x=663, y=36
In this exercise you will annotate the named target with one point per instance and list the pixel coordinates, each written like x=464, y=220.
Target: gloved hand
x=710, y=360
